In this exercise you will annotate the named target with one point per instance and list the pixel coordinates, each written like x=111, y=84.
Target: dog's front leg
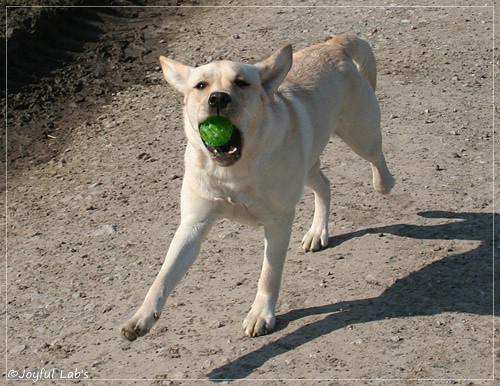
x=261, y=317
x=183, y=250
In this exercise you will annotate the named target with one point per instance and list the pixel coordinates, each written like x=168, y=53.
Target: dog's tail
x=361, y=53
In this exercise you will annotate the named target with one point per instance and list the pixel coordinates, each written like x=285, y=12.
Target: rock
x=106, y=230
x=18, y=349
x=372, y=278
x=78, y=295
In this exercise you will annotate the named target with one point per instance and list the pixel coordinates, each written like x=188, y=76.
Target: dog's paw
x=258, y=323
x=137, y=326
x=315, y=240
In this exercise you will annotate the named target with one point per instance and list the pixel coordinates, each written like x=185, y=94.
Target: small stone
x=178, y=375
x=219, y=324
x=19, y=348
x=107, y=309
x=56, y=343
x=372, y=278
x=207, y=364
x=144, y=156
x=105, y=230
x=90, y=307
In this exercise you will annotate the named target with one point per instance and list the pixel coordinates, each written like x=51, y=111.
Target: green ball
x=216, y=131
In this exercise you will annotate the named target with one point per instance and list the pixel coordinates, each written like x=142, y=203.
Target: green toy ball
x=216, y=131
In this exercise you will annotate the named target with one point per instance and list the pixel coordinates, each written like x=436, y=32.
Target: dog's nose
x=219, y=100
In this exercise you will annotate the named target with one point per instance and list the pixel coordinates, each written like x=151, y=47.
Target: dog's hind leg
x=383, y=181
x=317, y=236
x=368, y=145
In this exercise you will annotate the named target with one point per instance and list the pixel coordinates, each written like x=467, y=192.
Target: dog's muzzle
x=228, y=154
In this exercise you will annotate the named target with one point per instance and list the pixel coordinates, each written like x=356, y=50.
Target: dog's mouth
x=228, y=154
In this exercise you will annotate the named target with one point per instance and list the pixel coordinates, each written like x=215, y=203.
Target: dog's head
x=234, y=90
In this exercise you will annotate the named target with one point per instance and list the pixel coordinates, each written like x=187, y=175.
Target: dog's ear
x=273, y=70
x=175, y=73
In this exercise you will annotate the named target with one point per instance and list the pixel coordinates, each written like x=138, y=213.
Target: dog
x=284, y=110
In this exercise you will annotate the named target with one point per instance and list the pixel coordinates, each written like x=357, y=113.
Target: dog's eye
x=201, y=85
x=241, y=83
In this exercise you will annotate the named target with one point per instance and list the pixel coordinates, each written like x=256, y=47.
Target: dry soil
x=402, y=296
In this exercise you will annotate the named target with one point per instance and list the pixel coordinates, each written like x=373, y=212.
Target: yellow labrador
x=284, y=115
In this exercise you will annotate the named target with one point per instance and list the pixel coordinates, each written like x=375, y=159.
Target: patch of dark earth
x=67, y=59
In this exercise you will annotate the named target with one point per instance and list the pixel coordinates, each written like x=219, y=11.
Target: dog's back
x=318, y=59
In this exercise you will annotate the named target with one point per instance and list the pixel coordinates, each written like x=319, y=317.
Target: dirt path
x=404, y=294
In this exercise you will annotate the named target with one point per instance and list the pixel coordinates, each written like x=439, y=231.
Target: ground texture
x=404, y=293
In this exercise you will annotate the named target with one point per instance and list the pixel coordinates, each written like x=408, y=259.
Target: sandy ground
x=404, y=293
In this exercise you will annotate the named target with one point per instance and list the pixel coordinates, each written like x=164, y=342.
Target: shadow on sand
x=457, y=283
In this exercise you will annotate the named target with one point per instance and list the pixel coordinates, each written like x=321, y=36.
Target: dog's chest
x=244, y=201
x=243, y=207
x=252, y=199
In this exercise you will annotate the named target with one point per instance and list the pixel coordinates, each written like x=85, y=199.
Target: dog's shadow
x=457, y=283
